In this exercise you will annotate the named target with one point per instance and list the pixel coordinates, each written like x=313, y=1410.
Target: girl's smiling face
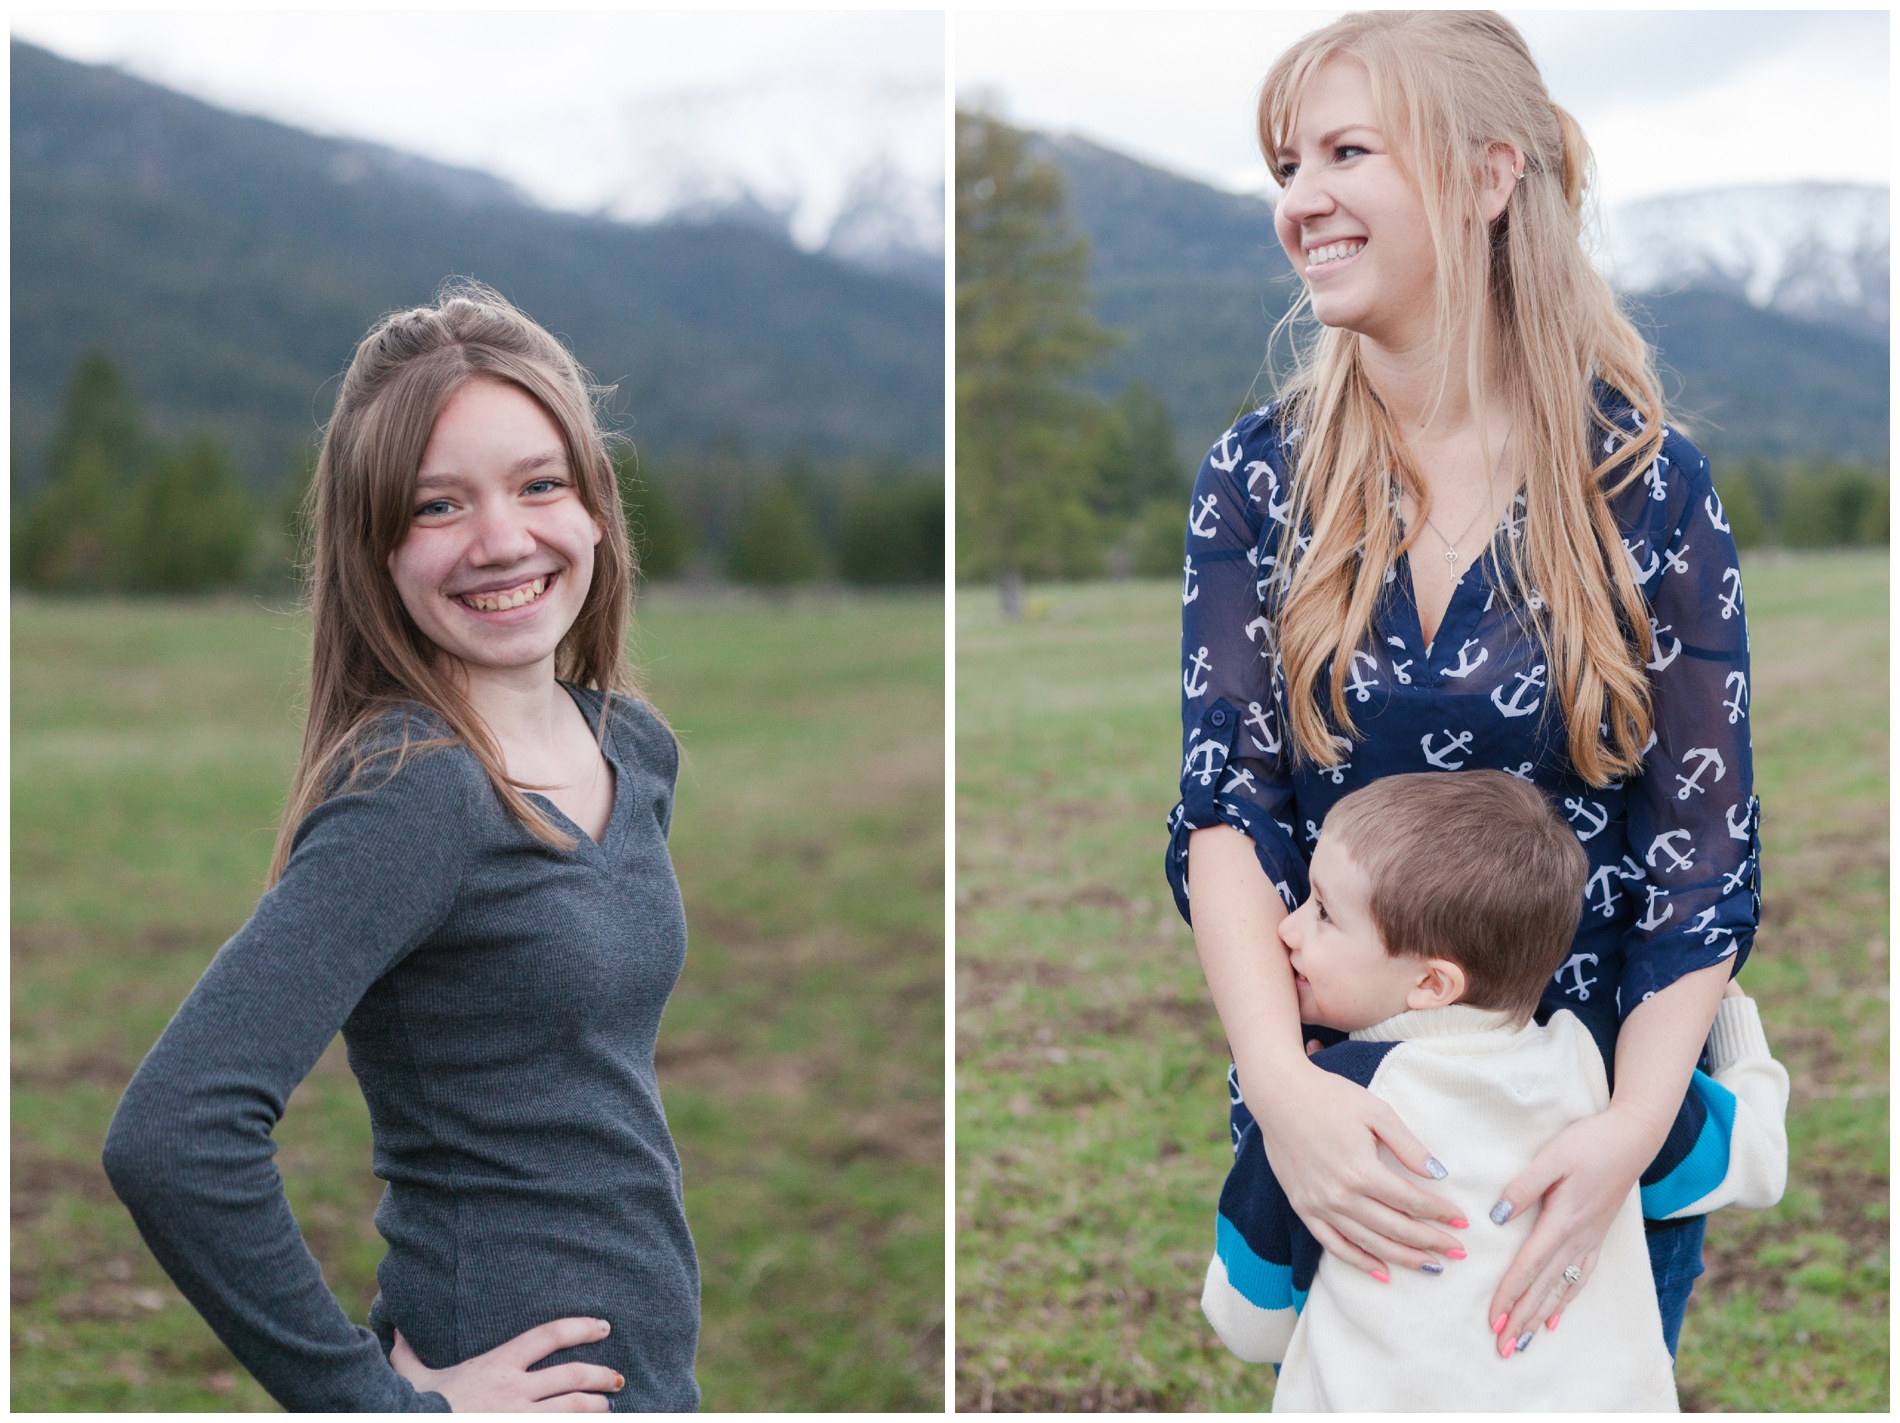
x=500, y=550
x=1351, y=220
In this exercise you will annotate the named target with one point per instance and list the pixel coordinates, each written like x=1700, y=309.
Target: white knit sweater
x=1484, y=1096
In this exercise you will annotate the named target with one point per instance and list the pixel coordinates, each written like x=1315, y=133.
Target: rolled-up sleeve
x=1693, y=815
x=1233, y=756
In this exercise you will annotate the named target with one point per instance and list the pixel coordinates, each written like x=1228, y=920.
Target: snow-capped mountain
x=1817, y=251
x=851, y=168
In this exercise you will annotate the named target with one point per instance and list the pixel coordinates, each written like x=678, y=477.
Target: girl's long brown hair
x=1521, y=293
x=368, y=656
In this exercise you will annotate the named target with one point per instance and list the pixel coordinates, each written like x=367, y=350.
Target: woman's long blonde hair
x=1521, y=293
x=368, y=656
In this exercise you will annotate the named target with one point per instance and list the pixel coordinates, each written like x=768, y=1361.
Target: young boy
x=1440, y=906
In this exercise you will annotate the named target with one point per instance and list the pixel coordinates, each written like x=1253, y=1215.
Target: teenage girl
x=471, y=882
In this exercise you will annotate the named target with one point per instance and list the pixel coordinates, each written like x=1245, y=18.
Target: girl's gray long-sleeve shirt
x=499, y=999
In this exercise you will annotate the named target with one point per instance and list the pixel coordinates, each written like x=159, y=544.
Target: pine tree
x=1025, y=438
x=73, y=537
x=662, y=539
x=193, y=526
x=777, y=544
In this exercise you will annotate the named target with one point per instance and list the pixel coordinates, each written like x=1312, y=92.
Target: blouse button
x=1218, y=717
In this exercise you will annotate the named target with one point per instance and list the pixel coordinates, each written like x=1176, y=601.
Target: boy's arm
x=1739, y=1152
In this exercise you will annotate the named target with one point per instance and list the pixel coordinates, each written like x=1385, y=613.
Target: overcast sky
x=626, y=112
x=1670, y=100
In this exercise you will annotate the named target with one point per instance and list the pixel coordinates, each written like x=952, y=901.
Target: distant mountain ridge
x=1196, y=279
x=1815, y=251
x=232, y=263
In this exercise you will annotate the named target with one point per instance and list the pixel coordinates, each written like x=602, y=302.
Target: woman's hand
x=1583, y=1175
x=500, y=1381
x=1322, y=1140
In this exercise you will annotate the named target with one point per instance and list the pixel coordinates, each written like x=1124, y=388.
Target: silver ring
x=1573, y=1274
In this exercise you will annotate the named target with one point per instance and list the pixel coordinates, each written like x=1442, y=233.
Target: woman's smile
x=507, y=599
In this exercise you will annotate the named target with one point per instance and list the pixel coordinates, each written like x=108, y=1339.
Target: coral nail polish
x=1461, y=1224
x=1510, y=1347
x=1382, y=1277
x=1497, y=1325
x=1455, y=1253
x=1551, y=1323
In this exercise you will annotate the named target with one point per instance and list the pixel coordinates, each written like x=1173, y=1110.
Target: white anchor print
x=1656, y=640
x=1204, y=512
x=1577, y=808
x=1738, y=706
x=1243, y=780
x=1739, y=877
x=1705, y=757
x=1579, y=985
x=1712, y=506
x=1490, y=597
x=1221, y=458
x=1211, y=755
x=1732, y=602
x=1465, y=667
x=1658, y=485
x=1259, y=718
x=1666, y=843
x=1286, y=894
x=1651, y=919
x=1399, y=674
x=1197, y=664
x=1440, y=757
x=1706, y=921
x=1515, y=706
x=1648, y=746
x=1190, y=588
x=1643, y=575
x=1522, y=771
x=1604, y=879
x=1264, y=629
x=1738, y=830
x=1359, y=685
x=1677, y=563
x=1256, y=468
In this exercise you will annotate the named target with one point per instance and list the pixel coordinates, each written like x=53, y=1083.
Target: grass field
x=801, y=1056
x=1091, y=1118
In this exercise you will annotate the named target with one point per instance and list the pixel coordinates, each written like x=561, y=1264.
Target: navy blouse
x=1674, y=851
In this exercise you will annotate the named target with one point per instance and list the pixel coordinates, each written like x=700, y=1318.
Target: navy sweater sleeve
x=372, y=872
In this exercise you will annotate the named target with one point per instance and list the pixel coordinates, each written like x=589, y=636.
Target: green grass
x=1091, y=1112
x=800, y=1058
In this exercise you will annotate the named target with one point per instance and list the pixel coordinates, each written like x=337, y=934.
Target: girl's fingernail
x=1523, y=1341
x=1455, y=1253
x=1551, y=1323
x=1382, y=1277
x=619, y=1383
x=1510, y=1348
x=1461, y=1224
x=605, y=1327
x=1436, y=1167
x=1497, y=1325
x=1432, y=1267
x=1500, y=1213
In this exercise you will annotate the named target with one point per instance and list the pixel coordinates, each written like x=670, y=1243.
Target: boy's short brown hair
x=1472, y=866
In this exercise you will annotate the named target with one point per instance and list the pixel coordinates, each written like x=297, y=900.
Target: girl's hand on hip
x=1583, y=1175
x=500, y=1381
x=1323, y=1144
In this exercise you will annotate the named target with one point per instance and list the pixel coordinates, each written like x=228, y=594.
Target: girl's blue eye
x=434, y=506
x=544, y=486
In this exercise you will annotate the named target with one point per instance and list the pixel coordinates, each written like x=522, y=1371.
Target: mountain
x=1195, y=280
x=232, y=263
x=1814, y=251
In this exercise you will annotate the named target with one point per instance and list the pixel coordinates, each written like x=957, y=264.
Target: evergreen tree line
x=1055, y=483
x=1803, y=503
x=122, y=511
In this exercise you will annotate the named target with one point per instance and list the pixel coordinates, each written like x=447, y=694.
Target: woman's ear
x=1440, y=984
x=1503, y=171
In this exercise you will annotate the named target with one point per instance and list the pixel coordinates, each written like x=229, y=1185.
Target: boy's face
x=1344, y=976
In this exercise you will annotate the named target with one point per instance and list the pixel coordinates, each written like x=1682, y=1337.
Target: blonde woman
x=1465, y=538
x=471, y=883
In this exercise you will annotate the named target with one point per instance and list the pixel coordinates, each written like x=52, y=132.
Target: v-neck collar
x=617, y=771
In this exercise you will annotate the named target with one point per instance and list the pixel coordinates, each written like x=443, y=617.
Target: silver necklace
x=1490, y=491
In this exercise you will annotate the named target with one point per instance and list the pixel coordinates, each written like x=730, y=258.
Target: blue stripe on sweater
x=1705, y=1165
x=1261, y=1283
